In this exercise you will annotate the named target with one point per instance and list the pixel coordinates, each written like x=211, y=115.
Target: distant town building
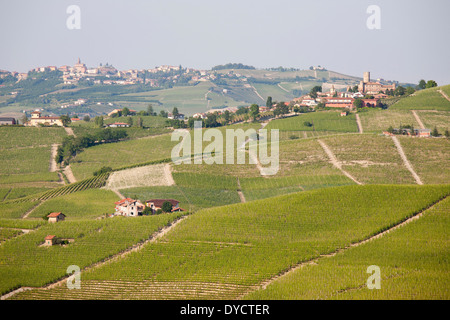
x=368, y=87
x=334, y=102
x=180, y=116
x=118, y=125
x=37, y=119
x=7, y=121
x=79, y=67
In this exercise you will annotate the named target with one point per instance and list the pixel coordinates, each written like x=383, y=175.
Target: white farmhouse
x=129, y=207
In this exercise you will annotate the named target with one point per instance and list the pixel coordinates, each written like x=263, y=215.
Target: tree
x=358, y=103
x=254, y=111
x=227, y=116
x=65, y=120
x=390, y=129
x=163, y=114
x=147, y=211
x=447, y=133
x=125, y=111
x=399, y=91
x=316, y=89
x=211, y=121
x=431, y=84
x=269, y=102
x=175, y=112
x=150, y=109
x=139, y=122
x=166, y=206
x=24, y=118
x=99, y=121
x=422, y=84
x=435, y=132
x=410, y=90
x=130, y=121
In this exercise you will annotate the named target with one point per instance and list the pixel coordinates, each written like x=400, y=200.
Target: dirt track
x=418, y=119
x=405, y=160
x=335, y=162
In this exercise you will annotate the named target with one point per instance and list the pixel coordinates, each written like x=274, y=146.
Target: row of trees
x=73, y=145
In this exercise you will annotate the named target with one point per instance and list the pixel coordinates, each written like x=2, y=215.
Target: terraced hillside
x=427, y=99
x=412, y=262
x=229, y=251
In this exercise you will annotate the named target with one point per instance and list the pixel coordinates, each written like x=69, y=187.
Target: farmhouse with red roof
x=56, y=217
x=129, y=208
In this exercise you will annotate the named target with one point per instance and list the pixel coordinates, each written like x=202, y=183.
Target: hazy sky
x=413, y=42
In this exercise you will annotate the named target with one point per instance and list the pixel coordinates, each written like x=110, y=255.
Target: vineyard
x=89, y=203
x=428, y=99
x=412, y=263
x=28, y=264
x=228, y=251
x=90, y=183
x=316, y=121
x=121, y=154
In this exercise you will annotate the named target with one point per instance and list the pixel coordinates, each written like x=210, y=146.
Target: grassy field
x=277, y=94
x=233, y=249
x=26, y=165
x=262, y=188
x=153, y=126
x=6, y=234
x=14, y=210
x=438, y=119
x=22, y=137
x=25, y=155
x=378, y=120
x=427, y=99
x=429, y=158
x=321, y=121
x=16, y=193
x=90, y=203
x=188, y=99
x=116, y=155
x=25, y=263
x=412, y=263
x=370, y=159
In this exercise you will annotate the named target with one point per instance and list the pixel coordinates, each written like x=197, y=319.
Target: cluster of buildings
x=421, y=133
x=132, y=208
x=334, y=99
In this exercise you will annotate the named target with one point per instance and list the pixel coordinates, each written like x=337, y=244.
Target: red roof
x=124, y=200
x=49, y=237
x=55, y=214
x=120, y=123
